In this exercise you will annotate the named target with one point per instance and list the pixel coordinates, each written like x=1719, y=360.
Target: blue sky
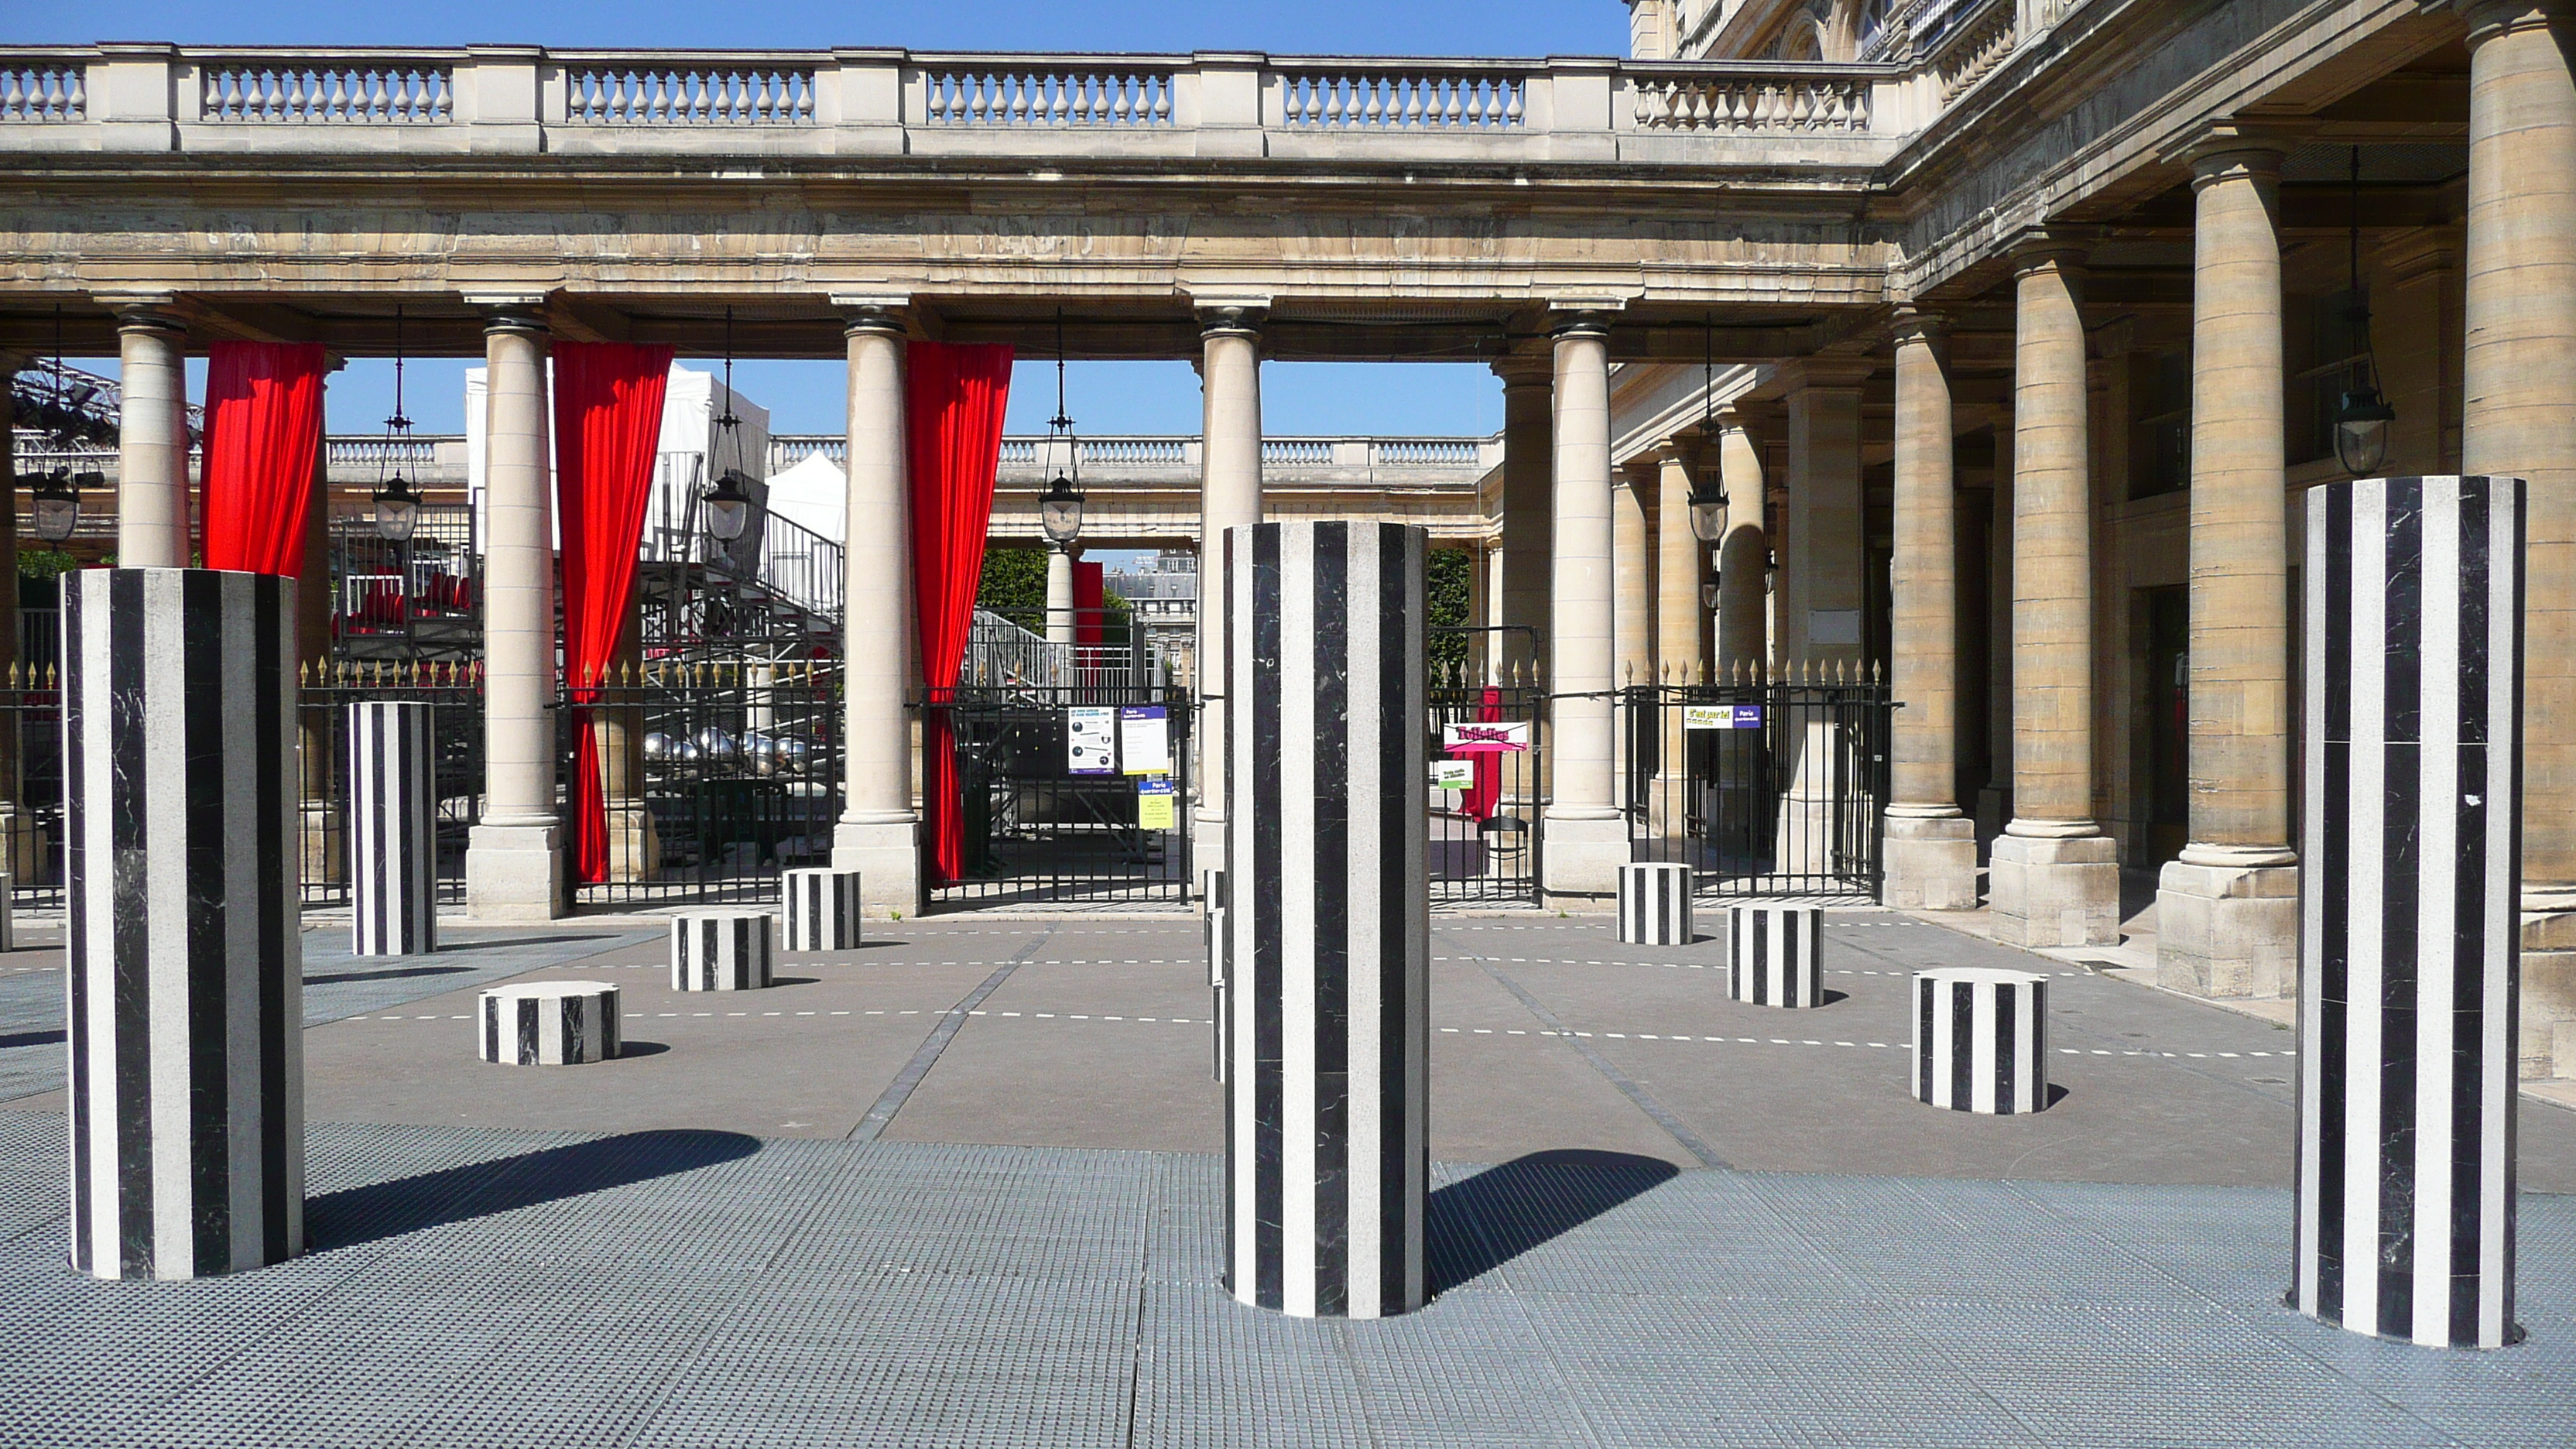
x=1306, y=398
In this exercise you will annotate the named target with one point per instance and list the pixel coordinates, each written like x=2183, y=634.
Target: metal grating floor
x=486, y=1288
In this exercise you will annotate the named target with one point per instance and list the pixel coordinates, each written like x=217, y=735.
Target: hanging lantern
x=2361, y=423
x=57, y=504
x=729, y=506
x=1060, y=507
x=397, y=510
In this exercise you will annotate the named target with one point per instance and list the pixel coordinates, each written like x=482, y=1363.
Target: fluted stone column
x=2519, y=371
x=2227, y=910
x=879, y=834
x=1587, y=838
x=1632, y=555
x=1060, y=622
x=152, y=440
x=1744, y=552
x=1681, y=622
x=1229, y=497
x=1931, y=845
x=2056, y=876
x=1821, y=531
x=514, y=859
x=1529, y=430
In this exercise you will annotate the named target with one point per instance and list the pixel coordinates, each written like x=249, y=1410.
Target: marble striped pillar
x=393, y=828
x=1772, y=954
x=1329, y=912
x=2410, y=863
x=822, y=908
x=720, y=950
x=1981, y=1040
x=1212, y=893
x=185, y=1002
x=1655, y=904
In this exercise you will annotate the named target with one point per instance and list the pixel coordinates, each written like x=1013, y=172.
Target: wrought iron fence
x=454, y=693
x=715, y=776
x=1049, y=810
x=31, y=733
x=1765, y=786
x=1484, y=810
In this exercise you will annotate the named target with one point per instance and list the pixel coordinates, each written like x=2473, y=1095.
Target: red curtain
x=263, y=429
x=1088, y=586
x=953, y=400
x=608, y=427
x=1479, y=802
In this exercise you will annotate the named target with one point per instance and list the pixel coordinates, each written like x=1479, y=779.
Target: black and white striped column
x=393, y=828
x=1655, y=904
x=186, y=971
x=726, y=950
x=1981, y=1040
x=2409, y=872
x=1328, y=912
x=1771, y=955
x=550, y=1024
x=822, y=909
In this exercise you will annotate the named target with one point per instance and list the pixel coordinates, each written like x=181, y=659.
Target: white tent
x=814, y=495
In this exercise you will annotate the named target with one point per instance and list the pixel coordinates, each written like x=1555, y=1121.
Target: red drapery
x=1479, y=802
x=263, y=429
x=1088, y=586
x=953, y=399
x=608, y=426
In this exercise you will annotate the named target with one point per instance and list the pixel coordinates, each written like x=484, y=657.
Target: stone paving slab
x=476, y=1286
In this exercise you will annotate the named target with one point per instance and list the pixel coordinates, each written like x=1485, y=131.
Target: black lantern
x=729, y=503
x=1060, y=507
x=1707, y=509
x=1708, y=490
x=1708, y=594
x=2361, y=423
x=397, y=505
x=57, y=500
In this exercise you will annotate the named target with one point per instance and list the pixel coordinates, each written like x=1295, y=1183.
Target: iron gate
x=454, y=694
x=717, y=774
x=1769, y=787
x=1040, y=826
x=1485, y=836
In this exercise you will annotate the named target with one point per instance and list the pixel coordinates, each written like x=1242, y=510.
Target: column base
x=2228, y=930
x=2056, y=892
x=1207, y=842
x=2548, y=1046
x=323, y=853
x=887, y=856
x=1992, y=813
x=634, y=849
x=1931, y=863
x=1581, y=858
x=514, y=873
x=22, y=847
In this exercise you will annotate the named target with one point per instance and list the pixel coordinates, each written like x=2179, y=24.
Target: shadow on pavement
x=383, y=1210
x=1482, y=1223
x=338, y=977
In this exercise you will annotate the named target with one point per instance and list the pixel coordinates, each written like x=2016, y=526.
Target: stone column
x=21, y=851
x=2056, y=876
x=152, y=441
x=879, y=834
x=1229, y=497
x=514, y=859
x=1681, y=627
x=1820, y=620
x=1587, y=837
x=1632, y=557
x=1931, y=844
x=2519, y=419
x=1744, y=553
x=1529, y=429
x=1994, y=801
x=1060, y=622
x=2227, y=910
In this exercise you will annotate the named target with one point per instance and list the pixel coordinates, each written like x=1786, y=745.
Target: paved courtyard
x=962, y=1187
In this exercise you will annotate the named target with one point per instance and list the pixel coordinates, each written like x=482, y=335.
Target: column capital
x=147, y=313
x=1524, y=369
x=2411, y=256
x=1824, y=373
x=1914, y=324
x=1681, y=448
x=2488, y=19
x=510, y=311
x=2053, y=245
x=1574, y=324
x=2239, y=143
x=879, y=316
x=1733, y=418
x=1233, y=317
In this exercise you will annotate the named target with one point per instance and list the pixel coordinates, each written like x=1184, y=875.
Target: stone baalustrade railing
x=1423, y=461
x=517, y=100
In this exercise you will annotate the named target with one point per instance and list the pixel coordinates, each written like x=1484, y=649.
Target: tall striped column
x=1328, y=911
x=393, y=829
x=185, y=981
x=2410, y=859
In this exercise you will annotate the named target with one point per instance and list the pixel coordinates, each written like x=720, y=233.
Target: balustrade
x=1751, y=103
x=44, y=91
x=691, y=95
x=389, y=92
x=1403, y=100
x=1118, y=98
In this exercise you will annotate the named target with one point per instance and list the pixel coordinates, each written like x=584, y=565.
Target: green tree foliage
x=1015, y=585
x=1447, y=579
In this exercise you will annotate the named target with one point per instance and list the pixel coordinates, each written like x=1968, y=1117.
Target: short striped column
x=1328, y=918
x=550, y=1024
x=1212, y=894
x=1771, y=955
x=720, y=950
x=2410, y=866
x=186, y=969
x=1981, y=1040
x=822, y=909
x=393, y=828
x=1655, y=904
